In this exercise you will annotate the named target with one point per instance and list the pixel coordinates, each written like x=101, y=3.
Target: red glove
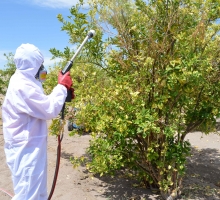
x=73, y=94
x=65, y=79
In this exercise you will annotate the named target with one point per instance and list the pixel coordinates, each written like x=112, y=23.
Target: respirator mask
x=41, y=74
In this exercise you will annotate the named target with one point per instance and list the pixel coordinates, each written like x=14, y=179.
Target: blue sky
x=35, y=22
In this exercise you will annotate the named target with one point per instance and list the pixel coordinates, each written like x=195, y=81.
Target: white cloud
x=55, y=3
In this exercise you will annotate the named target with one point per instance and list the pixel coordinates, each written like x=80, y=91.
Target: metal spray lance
x=90, y=34
x=69, y=64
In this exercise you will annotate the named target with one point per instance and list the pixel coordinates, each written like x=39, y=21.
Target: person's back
x=16, y=116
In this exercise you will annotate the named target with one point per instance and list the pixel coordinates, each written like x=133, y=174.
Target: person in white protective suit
x=25, y=111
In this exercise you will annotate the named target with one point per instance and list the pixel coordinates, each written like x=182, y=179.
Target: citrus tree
x=160, y=63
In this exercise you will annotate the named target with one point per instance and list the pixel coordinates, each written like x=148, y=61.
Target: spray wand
x=68, y=66
x=70, y=63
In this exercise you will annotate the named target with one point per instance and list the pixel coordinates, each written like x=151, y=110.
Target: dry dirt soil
x=202, y=180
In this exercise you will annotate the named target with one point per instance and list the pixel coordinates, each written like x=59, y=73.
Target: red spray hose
x=68, y=66
x=4, y=191
x=57, y=166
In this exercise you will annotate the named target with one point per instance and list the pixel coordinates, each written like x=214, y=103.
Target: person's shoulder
x=23, y=86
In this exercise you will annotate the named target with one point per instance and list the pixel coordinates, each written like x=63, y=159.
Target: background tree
x=6, y=73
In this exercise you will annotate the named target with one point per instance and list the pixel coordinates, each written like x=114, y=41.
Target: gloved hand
x=73, y=94
x=65, y=79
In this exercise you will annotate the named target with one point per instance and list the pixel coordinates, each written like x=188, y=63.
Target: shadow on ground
x=120, y=188
x=115, y=188
x=202, y=180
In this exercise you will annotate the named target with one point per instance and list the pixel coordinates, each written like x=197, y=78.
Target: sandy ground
x=202, y=181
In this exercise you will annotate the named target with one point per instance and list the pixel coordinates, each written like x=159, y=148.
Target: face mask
x=41, y=74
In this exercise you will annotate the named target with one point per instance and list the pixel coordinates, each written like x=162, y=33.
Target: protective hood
x=28, y=59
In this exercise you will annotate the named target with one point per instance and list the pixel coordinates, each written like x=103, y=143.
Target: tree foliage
x=161, y=82
x=160, y=61
x=6, y=73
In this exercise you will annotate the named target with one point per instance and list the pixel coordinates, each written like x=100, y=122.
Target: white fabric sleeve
x=35, y=103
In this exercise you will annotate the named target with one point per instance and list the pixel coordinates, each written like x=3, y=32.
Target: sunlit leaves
x=6, y=73
x=149, y=77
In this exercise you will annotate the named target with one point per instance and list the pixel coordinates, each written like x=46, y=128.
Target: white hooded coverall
x=25, y=111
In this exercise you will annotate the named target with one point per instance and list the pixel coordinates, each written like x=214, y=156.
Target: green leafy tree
x=161, y=82
x=6, y=73
x=167, y=84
